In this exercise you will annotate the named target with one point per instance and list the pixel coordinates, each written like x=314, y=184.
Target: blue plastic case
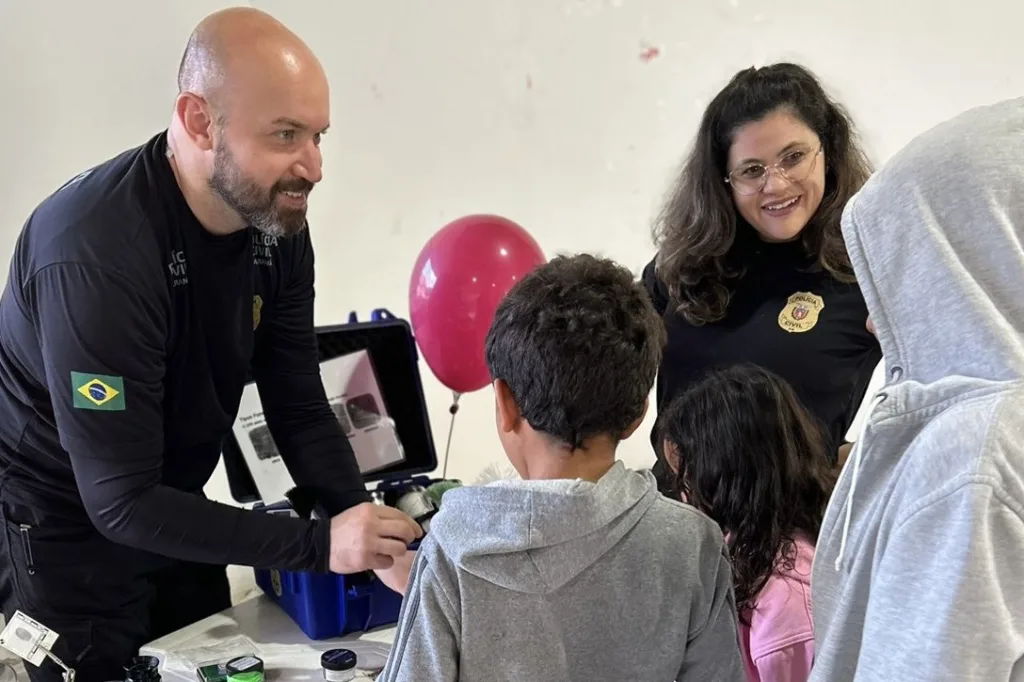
x=328, y=605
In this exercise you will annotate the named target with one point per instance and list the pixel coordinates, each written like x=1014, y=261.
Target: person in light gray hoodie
x=582, y=570
x=919, y=571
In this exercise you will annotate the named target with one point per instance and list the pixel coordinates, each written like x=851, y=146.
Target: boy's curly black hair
x=578, y=343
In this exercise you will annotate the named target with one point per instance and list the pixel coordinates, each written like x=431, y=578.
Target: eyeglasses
x=795, y=166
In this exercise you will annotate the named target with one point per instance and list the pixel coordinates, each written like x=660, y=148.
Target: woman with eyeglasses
x=751, y=265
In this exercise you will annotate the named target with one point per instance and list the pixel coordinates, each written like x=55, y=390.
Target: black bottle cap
x=338, y=660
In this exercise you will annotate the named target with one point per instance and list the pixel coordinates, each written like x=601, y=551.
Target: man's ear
x=506, y=407
x=196, y=119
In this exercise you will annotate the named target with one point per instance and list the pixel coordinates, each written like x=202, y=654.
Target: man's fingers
x=388, y=547
x=393, y=528
x=392, y=514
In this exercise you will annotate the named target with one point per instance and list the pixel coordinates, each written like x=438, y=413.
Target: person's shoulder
x=649, y=275
x=684, y=553
x=671, y=518
x=431, y=549
x=655, y=286
x=972, y=440
x=681, y=513
x=99, y=217
x=966, y=418
x=995, y=452
x=434, y=564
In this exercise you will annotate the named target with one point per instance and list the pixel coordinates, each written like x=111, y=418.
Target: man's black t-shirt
x=787, y=317
x=127, y=332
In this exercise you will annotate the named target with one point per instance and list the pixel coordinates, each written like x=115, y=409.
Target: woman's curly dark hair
x=697, y=227
x=750, y=456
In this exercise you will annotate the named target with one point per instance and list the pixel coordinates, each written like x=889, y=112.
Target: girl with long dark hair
x=750, y=456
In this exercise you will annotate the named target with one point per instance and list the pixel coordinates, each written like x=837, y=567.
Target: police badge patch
x=801, y=312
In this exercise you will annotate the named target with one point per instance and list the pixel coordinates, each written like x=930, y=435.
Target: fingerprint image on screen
x=342, y=414
x=363, y=411
x=263, y=442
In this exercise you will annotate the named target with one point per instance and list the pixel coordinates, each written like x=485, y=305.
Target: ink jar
x=244, y=669
x=339, y=665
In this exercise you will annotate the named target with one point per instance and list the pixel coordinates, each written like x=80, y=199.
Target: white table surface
x=269, y=628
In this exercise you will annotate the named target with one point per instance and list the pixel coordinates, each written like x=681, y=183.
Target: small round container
x=339, y=665
x=244, y=664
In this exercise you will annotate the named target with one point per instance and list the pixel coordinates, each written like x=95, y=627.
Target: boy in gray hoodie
x=581, y=571
x=919, y=572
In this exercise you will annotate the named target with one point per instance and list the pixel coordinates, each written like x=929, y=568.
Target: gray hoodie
x=568, y=580
x=919, y=570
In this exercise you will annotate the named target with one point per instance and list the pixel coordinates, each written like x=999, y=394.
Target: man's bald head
x=253, y=102
x=231, y=48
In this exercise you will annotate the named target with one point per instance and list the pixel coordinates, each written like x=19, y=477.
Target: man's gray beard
x=254, y=205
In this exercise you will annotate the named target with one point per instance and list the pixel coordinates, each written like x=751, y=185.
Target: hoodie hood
x=925, y=516
x=535, y=536
x=936, y=238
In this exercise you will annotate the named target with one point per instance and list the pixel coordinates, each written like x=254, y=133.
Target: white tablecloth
x=261, y=625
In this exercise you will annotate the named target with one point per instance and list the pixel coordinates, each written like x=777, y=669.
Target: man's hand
x=370, y=536
x=397, y=577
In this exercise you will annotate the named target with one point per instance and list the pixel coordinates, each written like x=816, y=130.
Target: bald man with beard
x=141, y=296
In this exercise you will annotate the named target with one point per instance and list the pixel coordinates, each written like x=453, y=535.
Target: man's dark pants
x=103, y=599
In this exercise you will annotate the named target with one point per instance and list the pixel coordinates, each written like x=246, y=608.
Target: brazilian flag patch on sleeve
x=97, y=392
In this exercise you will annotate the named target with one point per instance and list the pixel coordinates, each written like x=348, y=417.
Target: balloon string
x=453, y=410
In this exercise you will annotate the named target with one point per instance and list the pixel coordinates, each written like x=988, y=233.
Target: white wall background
x=541, y=110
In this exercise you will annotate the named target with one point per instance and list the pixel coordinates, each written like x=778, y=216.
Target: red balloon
x=460, y=276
